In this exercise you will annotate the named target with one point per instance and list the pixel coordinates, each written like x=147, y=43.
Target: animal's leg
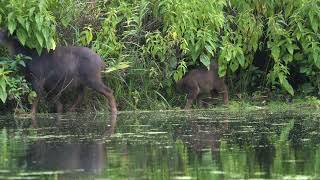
x=107, y=92
x=224, y=90
x=225, y=97
x=59, y=109
x=34, y=106
x=59, y=106
x=193, y=94
x=38, y=87
x=78, y=100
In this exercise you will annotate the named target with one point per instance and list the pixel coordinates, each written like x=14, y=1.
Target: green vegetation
x=265, y=48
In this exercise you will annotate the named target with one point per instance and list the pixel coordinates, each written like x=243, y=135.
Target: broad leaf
x=287, y=86
x=275, y=51
x=290, y=48
x=22, y=36
x=3, y=93
x=205, y=60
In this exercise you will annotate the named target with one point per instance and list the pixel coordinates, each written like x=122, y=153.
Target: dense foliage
x=263, y=46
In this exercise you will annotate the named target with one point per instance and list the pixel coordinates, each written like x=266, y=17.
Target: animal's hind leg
x=225, y=96
x=78, y=100
x=59, y=109
x=34, y=106
x=193, y=94
x=224, y=91
x=107, y=92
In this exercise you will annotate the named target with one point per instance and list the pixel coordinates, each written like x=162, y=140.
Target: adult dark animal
x=203, y=81
x=65, y=68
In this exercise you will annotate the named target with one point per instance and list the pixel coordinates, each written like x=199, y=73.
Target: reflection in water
x=88, y=155
x=264, y=153
x=60, y=156
x=165, y=145
x=203, y=135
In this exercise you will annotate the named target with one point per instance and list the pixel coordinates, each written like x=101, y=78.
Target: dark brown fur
x=203, y=81
x=65, y=68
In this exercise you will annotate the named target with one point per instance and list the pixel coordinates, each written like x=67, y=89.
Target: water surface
x=162, y=145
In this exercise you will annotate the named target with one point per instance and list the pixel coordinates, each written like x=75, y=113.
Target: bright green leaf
x=222, y=70
x=290, y=48
x=287, y=86
x=39, y=39
x=3, y=93
x=209, y=49
x=11, y=23
x=241, y=60
x=275, y=51
x=234, y=66
x=22, y=36
x=205, y=60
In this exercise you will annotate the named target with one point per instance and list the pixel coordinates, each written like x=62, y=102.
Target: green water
x=162, y=145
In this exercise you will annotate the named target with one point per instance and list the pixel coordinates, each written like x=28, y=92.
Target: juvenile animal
x=203, y=81
x=65, y=68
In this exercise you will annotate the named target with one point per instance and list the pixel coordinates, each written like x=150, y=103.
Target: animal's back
x=196, y=78
x=65, y=67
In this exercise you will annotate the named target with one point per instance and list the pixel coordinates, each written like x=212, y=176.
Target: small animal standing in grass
x=65, y=68
x=203, y=81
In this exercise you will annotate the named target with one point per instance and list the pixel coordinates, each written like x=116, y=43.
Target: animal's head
x=3, y=36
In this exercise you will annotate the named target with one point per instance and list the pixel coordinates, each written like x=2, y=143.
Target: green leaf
x=22, y=63
x=11, y=23
x=228, y=55
x=298, y=35
x=3, y=93
x=39, y=38
x=288, y=58
x=22, y=36
x=21, y=20
x=222, y=70
x=194, y=55
x=3, y=84
x=31, y=96
x=38, y=21
x=241, y=60
x=313, y=22
x=209, y=49
x=28, y=27
x=287, y=86
x=46, y=35
x=290, y=48
x=31, y=10
x=275, y=51
x=234, y=66
x=281, y=78
x=316, y=59
x=205, y=60
x=298, y=56
x=52, y=44
x=39, y=49
x=196, y=51
x=119, y=66
x=65, y=22
x=305, y=69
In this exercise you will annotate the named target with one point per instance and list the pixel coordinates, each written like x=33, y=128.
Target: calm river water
x=163, y=145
